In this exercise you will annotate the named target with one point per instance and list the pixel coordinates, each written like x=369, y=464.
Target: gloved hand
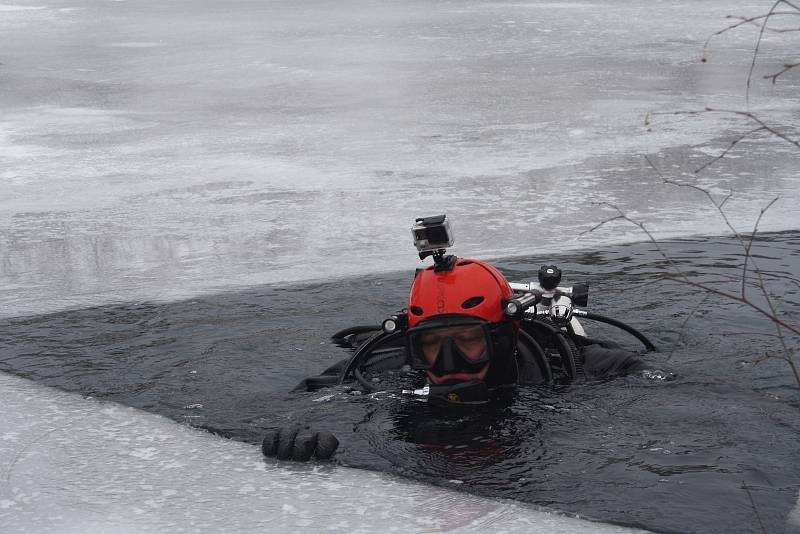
x=299, y=444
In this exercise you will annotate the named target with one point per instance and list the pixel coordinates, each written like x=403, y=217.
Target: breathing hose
x=364, y=350
x=363, y=381
x=526, y=342
x=341, y=336
x=619, y=324
x=565, y=350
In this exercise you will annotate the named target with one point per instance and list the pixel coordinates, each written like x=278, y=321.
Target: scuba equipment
x=457, y=329
x=468, y=327
x=432, y=234
x=465, y=392
x=439, y=343
x=459, y=347
x=432, y=237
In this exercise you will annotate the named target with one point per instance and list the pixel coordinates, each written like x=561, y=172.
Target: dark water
x=715, y=450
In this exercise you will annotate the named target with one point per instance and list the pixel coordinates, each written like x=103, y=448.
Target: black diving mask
x=450, y=345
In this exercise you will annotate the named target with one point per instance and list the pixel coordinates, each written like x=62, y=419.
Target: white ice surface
x=69, y=465
x=157, y=150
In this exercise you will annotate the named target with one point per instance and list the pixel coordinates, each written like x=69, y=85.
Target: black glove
x=299, y=444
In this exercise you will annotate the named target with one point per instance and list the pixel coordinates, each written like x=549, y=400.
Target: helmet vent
x=471, y=302
x=465, y=262
x=416, y=310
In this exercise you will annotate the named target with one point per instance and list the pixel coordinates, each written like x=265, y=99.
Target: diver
x=468, y=338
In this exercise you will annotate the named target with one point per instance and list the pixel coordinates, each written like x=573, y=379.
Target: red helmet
x=458, y=331
x=471, y=288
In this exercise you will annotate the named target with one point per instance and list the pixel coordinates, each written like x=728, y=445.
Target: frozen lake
x=153, y=151
x=71, y=465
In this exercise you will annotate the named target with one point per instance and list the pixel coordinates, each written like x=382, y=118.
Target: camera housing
x=432, y=234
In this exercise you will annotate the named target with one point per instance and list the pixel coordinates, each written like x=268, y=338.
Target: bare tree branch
x=682, y=278
x=685, y=322
x=785, y=277
x=621, y=215
x=753, y=20
x=748, y=20
x=737, y=298
x=761, y=359
x=750, y=245
x=747, y=255
x=770, y=13
x=751, y=276
x=755, y=509
x=770, y=312
x=717, y=205
x=602, y=223
x=743, y=333
x=727, y=198
x=746, y=246
x=762, y=126
x=730, y=147
x=757, y=120
x=786, y=68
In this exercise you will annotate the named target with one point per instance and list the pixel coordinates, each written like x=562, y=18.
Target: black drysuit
x=599, y=359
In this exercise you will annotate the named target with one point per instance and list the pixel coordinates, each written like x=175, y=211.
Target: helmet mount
x=441, y=261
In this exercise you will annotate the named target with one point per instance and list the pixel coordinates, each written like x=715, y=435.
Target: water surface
x=680, y=456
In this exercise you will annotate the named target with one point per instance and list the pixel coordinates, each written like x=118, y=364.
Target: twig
x=737, y=298
x=758, y=44
x=761, y=126
x=761, y=359
x=685, y=279
x=746, y=20
x=742, y=297
x=642, y=227
x=719, y=206
x=749, y=265
x=785, y=277
x=735, y=142
x=786, y=68
x=769, y=314
x=684, y=323
x=6, y=478
x=766, y=334
x=750, y=245
x=753, y=505
x=747, y=114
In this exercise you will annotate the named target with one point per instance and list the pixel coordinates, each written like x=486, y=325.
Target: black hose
x=619, y=324
x=527, y=342
x=363, y=381
x=381, y=355
x=340, y=336
x=566, y=352
x=365, y=349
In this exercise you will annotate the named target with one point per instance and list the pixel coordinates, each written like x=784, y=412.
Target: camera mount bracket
x=442, y=262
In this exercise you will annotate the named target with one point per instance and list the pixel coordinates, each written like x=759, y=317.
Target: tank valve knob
x=549, y=277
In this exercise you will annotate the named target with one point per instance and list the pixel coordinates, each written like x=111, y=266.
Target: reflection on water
x=686, y=455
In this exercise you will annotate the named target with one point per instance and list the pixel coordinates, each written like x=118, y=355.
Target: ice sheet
x=153, y=150
x=73, y=465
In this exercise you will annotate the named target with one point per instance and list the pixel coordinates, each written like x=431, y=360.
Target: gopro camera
x=432, y=234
